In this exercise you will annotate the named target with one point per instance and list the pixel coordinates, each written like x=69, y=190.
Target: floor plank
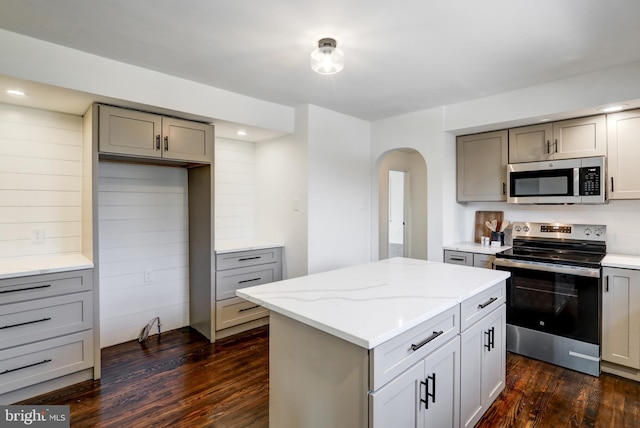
x=179, y=379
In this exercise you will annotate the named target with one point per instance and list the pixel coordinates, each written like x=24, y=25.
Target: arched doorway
x=402, y=204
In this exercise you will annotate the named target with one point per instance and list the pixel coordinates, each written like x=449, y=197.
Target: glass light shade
x=327, y=59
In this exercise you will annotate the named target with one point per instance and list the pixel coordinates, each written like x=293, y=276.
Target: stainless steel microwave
x=567, y=181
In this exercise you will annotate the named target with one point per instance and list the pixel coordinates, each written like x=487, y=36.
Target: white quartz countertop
x=231, y=246
x=371, y=303
x=24, y=266
x=621, y=261
x=472, y=247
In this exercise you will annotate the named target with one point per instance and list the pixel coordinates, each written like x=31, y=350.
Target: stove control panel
x=588, y=232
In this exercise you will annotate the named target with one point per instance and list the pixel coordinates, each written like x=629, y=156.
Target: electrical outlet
x=148, y=275
x=37, y=234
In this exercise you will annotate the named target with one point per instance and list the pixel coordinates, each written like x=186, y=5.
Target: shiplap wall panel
x=143, y=226
x=234, y=190
x=40, y=181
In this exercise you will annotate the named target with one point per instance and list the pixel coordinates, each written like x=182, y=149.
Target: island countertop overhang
x=371, y=303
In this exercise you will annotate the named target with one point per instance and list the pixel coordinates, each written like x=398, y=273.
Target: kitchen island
x=361, y=346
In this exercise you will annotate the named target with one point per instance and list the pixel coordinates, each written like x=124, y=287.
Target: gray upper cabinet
x=482, y=167
x=147, y=135
x=624, y=155
x=566, y=139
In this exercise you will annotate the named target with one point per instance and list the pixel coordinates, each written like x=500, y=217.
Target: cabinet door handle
x=244, y=259
x=248, y=309
x=555, y=146
x=428, y=394
x=24, y=323
x=611, y=184
x=548, y=147
x=490, y=342
x=25, y=289
x=249, y=280
x=504, y=188
x=158, y=142
x=427, y=340
x=25, y=367
x=487, y=303
x=166, y=143
x=606, y=284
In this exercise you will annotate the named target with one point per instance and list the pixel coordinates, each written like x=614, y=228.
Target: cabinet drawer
x=458, y=257
x=394, y=356
x=247, y=258
x=476, y=307
x=40, y=319
x=236, y=311
x=483, y=261
x=228, y=281
x=38, y=286
x=26, y=365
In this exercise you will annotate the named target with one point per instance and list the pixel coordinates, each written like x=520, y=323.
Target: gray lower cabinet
x=469, y=259
x=621, y=317
x=46, y=332
x=239, y=269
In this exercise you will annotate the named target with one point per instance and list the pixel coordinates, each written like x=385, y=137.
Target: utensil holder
x=497, y=236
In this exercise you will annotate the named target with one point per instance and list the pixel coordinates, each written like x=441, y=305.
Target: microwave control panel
x=590, y=181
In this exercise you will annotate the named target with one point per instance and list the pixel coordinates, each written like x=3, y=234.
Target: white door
x=397, y=211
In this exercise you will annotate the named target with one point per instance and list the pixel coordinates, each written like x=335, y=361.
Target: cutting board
x=482, y=217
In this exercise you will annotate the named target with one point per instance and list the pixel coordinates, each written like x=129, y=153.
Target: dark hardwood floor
x=178, y=379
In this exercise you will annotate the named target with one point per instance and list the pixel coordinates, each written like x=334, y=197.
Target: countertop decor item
x=480, y=225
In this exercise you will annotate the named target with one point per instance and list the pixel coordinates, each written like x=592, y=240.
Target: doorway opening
x=402, y=205
x=397, y=220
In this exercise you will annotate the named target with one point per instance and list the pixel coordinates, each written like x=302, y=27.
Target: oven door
x=555, y=299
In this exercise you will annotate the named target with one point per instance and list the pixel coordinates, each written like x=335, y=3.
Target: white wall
x=423, y=132
x=339, y=195
x=235, y=190
x=281, y=189
x=143, y=226
x=40, y=181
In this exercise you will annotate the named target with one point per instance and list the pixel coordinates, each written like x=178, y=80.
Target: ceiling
x=399, y=57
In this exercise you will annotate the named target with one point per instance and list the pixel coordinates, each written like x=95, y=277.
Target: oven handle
x=546, y=267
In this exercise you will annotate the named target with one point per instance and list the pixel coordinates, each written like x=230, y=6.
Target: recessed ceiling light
x=241, y=133
x=612, y=108
x=16, y=92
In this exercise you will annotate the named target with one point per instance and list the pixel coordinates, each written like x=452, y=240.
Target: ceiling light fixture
x=612, y=108
x=16, y=92
x=327, y=59
x=241, y=133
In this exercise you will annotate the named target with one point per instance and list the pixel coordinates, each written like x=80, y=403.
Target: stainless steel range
x=553, y=295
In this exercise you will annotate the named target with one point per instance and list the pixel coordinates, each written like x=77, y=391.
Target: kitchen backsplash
x=620, y=217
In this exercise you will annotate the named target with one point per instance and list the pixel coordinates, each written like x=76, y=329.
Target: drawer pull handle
x=487, y=303
x=35, y=287
x=248, y=309
x=244, y=259
x=25, y=367
x=458, y=259
x=24, y=323
x=427, y=340
x=249, y=280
